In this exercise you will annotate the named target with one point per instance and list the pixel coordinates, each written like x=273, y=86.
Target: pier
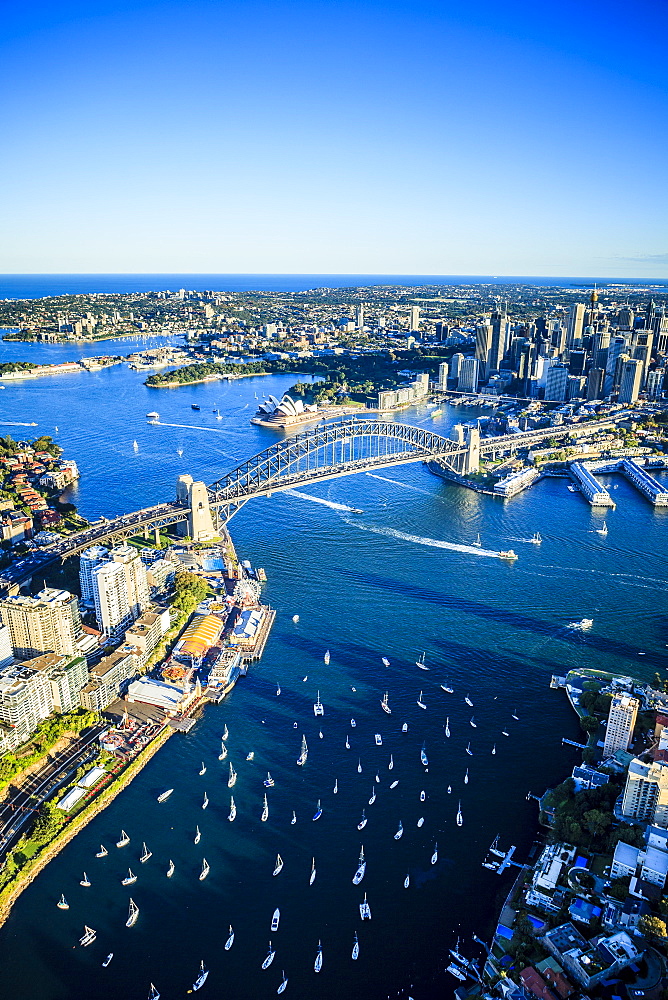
x=591, y=489
x=638, y=476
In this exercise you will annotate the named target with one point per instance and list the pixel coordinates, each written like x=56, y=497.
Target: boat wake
x=325, y=503
x=407, y=486
x=434, y=543
x=194, y=427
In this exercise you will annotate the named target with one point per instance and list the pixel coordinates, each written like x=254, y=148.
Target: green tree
x=190, y=590
x=589, y=723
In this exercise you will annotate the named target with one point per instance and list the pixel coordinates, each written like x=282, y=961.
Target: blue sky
x=367, y=137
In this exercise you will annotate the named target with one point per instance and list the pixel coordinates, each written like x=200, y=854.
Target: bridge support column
x=473, y=453
x=199, y=525
x=156, y=538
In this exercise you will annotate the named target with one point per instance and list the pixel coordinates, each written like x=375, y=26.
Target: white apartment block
x=646, y=793
x=88, y=560
x=621, y=722
x=135, y=578
x=47, y=623
x=110, y=592
x=25, y=701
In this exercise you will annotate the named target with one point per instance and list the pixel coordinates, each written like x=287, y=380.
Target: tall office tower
x=621, y=721
x=575, y=387
x=557, y=333
x=555, y=383
x=135, y=578
x=524, y=355
x=576, y=362
x=660, y=331
x=541, y=326
x=442, y=331
x=110, y=592
x=625, y=318
x=629, y=388
x=650, y=312
x=656, y=383
x=575, y=323
x=359, y=318
x=443, y=376
x=599, y=348
x=616, y=347
x=47, y=623
x=500, y=338
x=483, y=347
x=619, y=371
x=642, y=343
x=6, y=655
x=646, y=793
x=455, y=365
x=468, y=375
x=595, y=383
x=88, y=560
x=414, y=319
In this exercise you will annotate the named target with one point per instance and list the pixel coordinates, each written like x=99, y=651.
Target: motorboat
x=102, y=853
x=87, y=937
x=205, y=870
x=449, y=789
x=318, y=812
x=170, y=870
x=279, y=865
x=295, y=618
x=304, y=752
x=379, y=740
x=320, y=734
x=468, y=701
x=434, y=857
x=456, y=971
x=202, y=770
x=384, y=703
x=365, y=909
x=352, y=723
x=250, y=755
x=203, y=973
x=420, y=663
x=423, y=756
x=145, y=854
x=230, y=939
x=62, y=903
x=265, y=810
x=327, y=656
x=359, y=765
x=205, y=801
x=275, y=919
x=373, y=796
x=107, y=960
x=508, y=554
x=386, y=662
x=133, y=913
x=312, y=875
x=400, y=831
x=130, y=878
x=165, y=795
x=420, y=822
x=152, y=415
x=232, y=780
x=420, y=702
x=422, y=795
x=404, y=728
x=198, y=835
x=85, y=881
x=283, y=983
x=447, y=688
x=233, y=810
x=268, y=781
x=494, y=849
x=394, y=784
x=460, y=819
x=124, y=839
x=318, y=707
x=270, y=957
x=466, y=777
x=390, y=763
x=194, y=406
x=363, y=822
x=317, y=965
x=356, y=948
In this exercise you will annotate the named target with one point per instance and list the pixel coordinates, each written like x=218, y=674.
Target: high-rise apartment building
x=88, y=560
x=25, y=701
x=443, y=376
x=6, y=654
x=47, y=623
x=135, y=577
x=632, y=371
x=646, y=793
x=414, y=319
x=110, y=592
x=621, y=722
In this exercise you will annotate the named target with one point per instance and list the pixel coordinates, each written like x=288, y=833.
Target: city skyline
x=300, y=138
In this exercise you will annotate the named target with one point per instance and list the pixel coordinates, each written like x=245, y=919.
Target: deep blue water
x=365, y=586
x=27, y=286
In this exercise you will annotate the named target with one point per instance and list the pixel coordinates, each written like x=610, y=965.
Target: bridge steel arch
x=328, y=451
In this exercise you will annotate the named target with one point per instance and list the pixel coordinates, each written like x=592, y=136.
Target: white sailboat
x=223, y=752
x=250, y=755
x=133, y=913
x=347, y=743
x=327, y=656
x=468, y=701
x=107, y=960
x=268, y=781
x=312, y=875
x=130, y=878
x=205, y=801
x=294, y=818
x=407, y=881
x=391, y=763
x=170, y=870
x=460, y=819
x=270, y=957
x=468, y=749
x=295, y=618
x=536, y=539
x=202, y=769
x=420, y=702
x=232, y=780
x=317, y=965
x=85, y=881
x=201, y=979
x=394, y=783
x=494, y=748
x=423, y=756
x=102, y=853
x=473, y=723
x=87, y=937
x=447, y=688
x=165, y=795
x=301, y=760
x=477, y=541
x=404, y=728
x=420, y=822
x=62, y=903
x=362, y=823
x=318, y=812
x=230, y=939
x=604, y=529
x=466, y=777
x=434, y=857
x=335, y=790
x=279, y=865
x=233, y=810
x=420, y=663
x=145, y=854
x=198, y=835
x=283, y=983
x=226, y=733
x=356, y=948
x=123, y=840
x=365, y=909
x=400, y=831
x=154, y=994
x=318, y=707
x=205, y=870
x=265, y=810
x=353, y=724
x=384, y=703
x=278, y=690
x=373, y=796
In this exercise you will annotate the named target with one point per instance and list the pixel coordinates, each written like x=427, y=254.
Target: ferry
x=107, y=960
x=145, y=854
x=203, y=971
x=268, y=781
x=362, y=823
x=318, y=812
x=400, y=831
x=283, y=984
x=312, y=875
x=230, y=939
x=365, y=910
x=270, y=957
x=275, y=919
x=133, y=913
x=233, y=810
x=507, y=554
x=318, y=707
x=379, y=740
x=124, y=839
x=384, y=705
x=265, y=810
x=130, y=878
x=198, y=835
x=407, y=881
x=279, y=865
x=231, y=781
x=170, y=870
x=87, y=937
x=85, y=881
x=317, y=965
x=356, y=948
x=102, y=853
x=205, y=870
x=62, y=903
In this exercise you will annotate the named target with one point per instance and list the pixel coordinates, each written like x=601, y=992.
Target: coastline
x=36, y=865
x=210, y=378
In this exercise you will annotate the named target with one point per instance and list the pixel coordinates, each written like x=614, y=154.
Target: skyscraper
x=555, y=383
x=646, y=793
x=575, y=322
x=47, y=623
x=631, y=380
x=135, y=578
x=595, y=382
x=443, y=376
x=468, y=375
x=414, y=319
x=621, y=722
x=500, y=338
x=110, y=592
x=483, y=347
x=88, y=560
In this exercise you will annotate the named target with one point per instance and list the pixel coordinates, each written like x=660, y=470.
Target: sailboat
x=250, y=755
x=226, y=733
x=373, y=796
x=347, y=742
x=327, y=656
x=205, y=870
x=268, y=781
x=477, y=541
x=473, y=723
x=230, y=939
x=460, y=819
x=170, y=870
x=304, y=752
x=233, y=810
x=449, y=789
x=318, y=707
x=107, y=960
x=270, y=957
x=133, y=913
x=279, y=865
x=135, y=447
x=468, y=749
x=201, y=979
x=145, y=854
x=391, y=763
x=198, y=835
x=317, y=965
x=384, y=705
x=223, y=752
x=359, y=765
x=102, y=853
x=265, y=810
x=536, y=539
x=202, y=770
x=420, y=822
x=423, y=756
x=494, y=748
x=312, y=875
x=400, y=831
x=231, y=781
x=85, y=881
x=276, y=916
x=283, y=984
x=153, y=995
x=278, y=690
x=362, y=823
x=420, y=663
x=407, y=881
x=604, y=529
x=466, y=777
x=447, y=688
x=361, y=869
x=468, y=701
x=205, y=801
x=365, y=910
x=179, y=452
x=62, y=903
x=87, y=937
x=515, y=715
x=420, y=701
x=124, y=839
x=165, y=795
x=130, y=878
x=356, y=948
x=404, y=728
x=423, y=795
x=318, y=812
x=294, y=818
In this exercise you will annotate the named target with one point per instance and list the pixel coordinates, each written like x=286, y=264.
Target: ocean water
x=396, y=581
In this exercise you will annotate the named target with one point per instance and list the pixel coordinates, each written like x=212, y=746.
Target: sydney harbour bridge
x=326, y=451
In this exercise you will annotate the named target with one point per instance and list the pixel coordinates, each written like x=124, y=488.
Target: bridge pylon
x=199, y=525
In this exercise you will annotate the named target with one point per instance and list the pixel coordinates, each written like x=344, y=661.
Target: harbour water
x=398, y=580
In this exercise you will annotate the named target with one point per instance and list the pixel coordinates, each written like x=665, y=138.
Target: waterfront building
x=468, y=375
x=455, y=365
x=25, y=701
x=621, y=722
x=147, y=631
x=66, y=676
x=443, y=376
x=135, y=578
x=47, y=623
x=108, y=677
x=112, y=610
x=632, y=371
x=88, y=560
x=646, y=793
x=589, y=962
x=640, y=864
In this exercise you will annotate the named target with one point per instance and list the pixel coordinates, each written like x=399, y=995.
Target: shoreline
x=34, y=867
x=233, y=376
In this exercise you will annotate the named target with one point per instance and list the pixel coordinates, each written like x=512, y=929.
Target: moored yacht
x=468, y=701
x=365, y=909
x=327, y=656
x=145, y=854
x=123, y=840
x=318, y=812
x=205, y=801
x=276, y=916
x=400, y=831
x=270, y=957
x=223, y=752
x=233, y=810
x=170, y=870
x=102, y=853
x=390, y=763
x=362, y=823
x=130, y=878
x=312, y=875
x=205, y=870
x=468, y=749
x=385, y=660
x=201, y=979
x=202, y=769
x=265, y=810
x=294, y=818
x=420, y=702
x=359, y=765
x=279, y=865
x=335, y=790
x=283, y=983
x=317, y=965
x=85, y=881
x=373, y=796
x=466, y=777
x=361, y=869
x=304, y=752
x=87, y=937
x=318, y=707
x=230, y=939
x=231, y=781
x=107, y=960
x=133, y=913
x=407, y=881
x=356, y=948
x=384, y=703
x=165, y=795
x=447, y=688
x=460, y=819
x=62, y=903
x=434, y=857
x=423, y=756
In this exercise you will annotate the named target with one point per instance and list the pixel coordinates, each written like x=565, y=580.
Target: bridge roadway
x=315, y=455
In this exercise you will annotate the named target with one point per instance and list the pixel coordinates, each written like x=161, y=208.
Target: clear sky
x=298, y=136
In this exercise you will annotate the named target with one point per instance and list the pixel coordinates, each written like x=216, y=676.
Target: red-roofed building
x=559, y=983
x=534, y=983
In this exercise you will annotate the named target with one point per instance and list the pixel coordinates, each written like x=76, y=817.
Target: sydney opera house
x=285, y=411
